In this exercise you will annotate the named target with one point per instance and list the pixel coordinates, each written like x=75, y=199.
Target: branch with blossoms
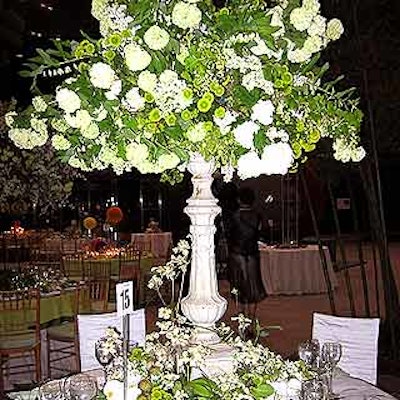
x=173, y=270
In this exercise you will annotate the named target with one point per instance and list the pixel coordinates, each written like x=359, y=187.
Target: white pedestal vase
x=203, y=306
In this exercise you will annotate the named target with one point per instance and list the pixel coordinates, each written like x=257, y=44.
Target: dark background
x=368, y=55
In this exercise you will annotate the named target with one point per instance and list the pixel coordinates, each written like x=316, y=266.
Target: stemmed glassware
x=103, y=357
x=313, y=389
x=81, y=387
x=331, y=353
x=309, y=352
x=51, y=391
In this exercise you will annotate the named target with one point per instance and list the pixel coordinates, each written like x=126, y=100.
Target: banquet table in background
x=159, y=244
x=294, y=270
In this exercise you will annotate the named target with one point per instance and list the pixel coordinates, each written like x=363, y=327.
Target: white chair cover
x=92, y=327
x=359, y=340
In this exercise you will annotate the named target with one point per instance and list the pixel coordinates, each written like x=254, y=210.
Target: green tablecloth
x=53, y=307
x=78, y=269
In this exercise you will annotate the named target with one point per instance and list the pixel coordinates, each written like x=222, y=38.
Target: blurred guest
x=243, y=230
x=153, y=226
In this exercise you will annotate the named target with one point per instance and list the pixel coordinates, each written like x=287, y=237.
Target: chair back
x=72, y=266
x=92, y=327
x=94, y=296
x=20, y=315
x=359, y=340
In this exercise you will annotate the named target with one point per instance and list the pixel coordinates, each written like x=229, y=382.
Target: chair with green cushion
x=20, y=332
x=64, y=335
x=89, y=298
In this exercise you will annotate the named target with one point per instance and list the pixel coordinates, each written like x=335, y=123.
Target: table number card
x=125, y=298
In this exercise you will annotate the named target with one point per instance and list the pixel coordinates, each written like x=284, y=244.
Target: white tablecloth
x=346, y=387
x=295, y=270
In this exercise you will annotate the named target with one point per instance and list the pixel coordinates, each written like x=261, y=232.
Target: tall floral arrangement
x=31, y=178
x=241, y=85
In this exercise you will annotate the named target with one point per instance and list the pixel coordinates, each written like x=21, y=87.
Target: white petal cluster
x=133, y=100
x=168, y=161
x=10, y=118
x=25, y=138
x=59, y=142
x=196, y=133
x=102, y=75
x=301, y=18
x=147, y=81
x=168, y=93
x=115, y=90
x=224, y=124
x=255, y=79
x=39, y=104
x=263, y=112
x=136, y=153
x=156, y=38
x=334, y=29
x=346, y=151
x=186, y=15
x=249, y=165
x=68, y=100
x=277, y=158
x=244, y=134
x=136, y=58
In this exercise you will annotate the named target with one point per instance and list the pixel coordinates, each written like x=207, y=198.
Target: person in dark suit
x=244, y=258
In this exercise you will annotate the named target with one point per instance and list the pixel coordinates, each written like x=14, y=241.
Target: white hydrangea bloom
x=277, y=158
x=334, y=29
x=147, y=81
x=312, y=44
x=82, y=119
x=244, y=134
x=168, y=161
x=186, y=16
x=263, y=112
x=102, y=75
x=312, y=6
x=92, y=131
x=68, y=100
x=301, y=18
x=22, y=138
x=299, y=56
x=39, y=125
x=318, y=26
x=136, y=58
x=133, y=100
x=136, y=153
x=224, y=124
x=10, y=118
x=39, y=104
x=115, y=90
x=249, y=165
x=156, y=38
x=59, y=142
x=196, y=133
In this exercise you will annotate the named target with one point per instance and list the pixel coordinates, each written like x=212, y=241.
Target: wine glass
x=309, y=352
x=331, y=353
x=81, y=387
x=103, y=357
x=51, y=391
x=314, y=389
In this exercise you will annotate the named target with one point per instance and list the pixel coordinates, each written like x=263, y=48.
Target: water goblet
x=309, y=352
x=82, y=387
x=331, y=353
x=103, y=357
x=314, y=389
x=51, y=391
